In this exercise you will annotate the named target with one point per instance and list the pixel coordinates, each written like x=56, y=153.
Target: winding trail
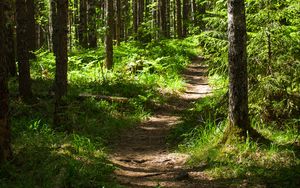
x=142, y=155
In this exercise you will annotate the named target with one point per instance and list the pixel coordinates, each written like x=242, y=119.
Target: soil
x=142, y=155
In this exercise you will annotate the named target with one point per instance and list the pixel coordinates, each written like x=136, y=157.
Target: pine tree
x=22, y=50
x=92, y=27
x=179, y=18
x=31, y=31
x=82, y=28
x=109, y=34
x=61, y=79
x=239, y=124
x=5, y=148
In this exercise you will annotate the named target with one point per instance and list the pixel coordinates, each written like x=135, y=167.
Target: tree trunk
x=76, y=18
x=118, y=21
x=53, y=28
x=82, y=28
x=154, y=19
x=168, y=18
x=134, y=15
x=22, y=50
x=10, y=35
x=162, y=15
x=109, y=34
x=31, y=27
x=238, y=87
x=50, y=28
x=140, y=13
x=92, y=33
x=38, y=36
x=5, y=147
x=174, y=18
x=179, y=18
x=126, y=18
x=11, y=51
x=62, y=53
x=193, y=10
x=103, y=15
x=61, y=79
x=70, y=22
x=185, y=17
x=239, y=125
x=158, y=18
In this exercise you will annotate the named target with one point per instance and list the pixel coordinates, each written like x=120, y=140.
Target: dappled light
x=149, y=93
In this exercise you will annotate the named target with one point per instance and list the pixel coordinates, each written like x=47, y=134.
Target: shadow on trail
x=45, y=157
x=142, y=155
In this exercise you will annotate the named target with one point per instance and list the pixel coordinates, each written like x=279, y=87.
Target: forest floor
x=142, y=156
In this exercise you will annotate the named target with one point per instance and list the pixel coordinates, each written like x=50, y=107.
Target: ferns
x=273, y=55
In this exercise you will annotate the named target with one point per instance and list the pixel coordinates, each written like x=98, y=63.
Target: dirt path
x=142, y=155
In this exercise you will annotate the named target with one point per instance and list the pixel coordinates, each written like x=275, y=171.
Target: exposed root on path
x=141, y=154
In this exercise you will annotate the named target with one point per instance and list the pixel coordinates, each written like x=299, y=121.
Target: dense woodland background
x=74, y=73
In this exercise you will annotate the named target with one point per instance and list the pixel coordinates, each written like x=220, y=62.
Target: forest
x=149, y=93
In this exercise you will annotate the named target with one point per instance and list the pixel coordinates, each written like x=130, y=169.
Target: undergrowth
x=274, y=104
x=76, y=155
x=275, y=165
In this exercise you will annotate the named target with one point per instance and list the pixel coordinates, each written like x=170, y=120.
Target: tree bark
x=193, y=10
x=62, y=53
x=118, y=21
x=134, y=15
x=61, y=79
x=109, y=34
x=5, y=147
x=174, y=18
x=239, y=124
x=31, y=30
x=140, y=13
x=163, y=17
x=238, y=78
x=10, y=42
x=168, y=19
x=185, y=17
x=126, y=19
x=82, y=28
x=103, y=15
x=154, y=19
x=179, y=18
x=11, y=50
x=22, y=50
x=92, y=28
x=76, y=18
x=53, y=28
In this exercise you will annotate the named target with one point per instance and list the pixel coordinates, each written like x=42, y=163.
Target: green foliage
x=273, y=62
x=45, y=158
x=76, y=155
x=275, y=165
x=144, y=72
x=42, y=13
x=273, y=56
x=204, y=121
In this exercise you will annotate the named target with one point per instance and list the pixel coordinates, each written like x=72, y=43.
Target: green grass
x=44, y=158
x=274, y=105
x=146, y=74
x=275, y=165
x=75, y=153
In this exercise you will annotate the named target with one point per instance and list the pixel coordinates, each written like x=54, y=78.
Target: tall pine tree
x=5, y=148
x=239, y=124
